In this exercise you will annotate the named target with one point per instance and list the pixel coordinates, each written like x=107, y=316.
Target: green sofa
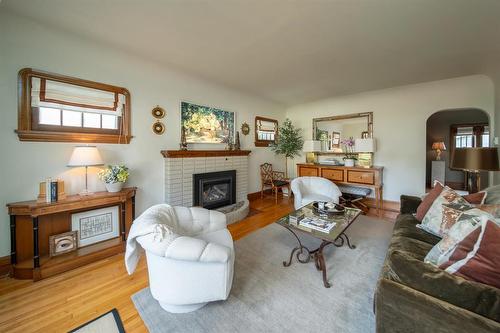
x=413, y=296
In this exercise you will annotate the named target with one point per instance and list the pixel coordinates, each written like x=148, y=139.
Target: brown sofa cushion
x=408, y=269
x=405, y=226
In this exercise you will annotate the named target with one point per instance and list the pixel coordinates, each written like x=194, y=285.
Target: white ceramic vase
x=114, y=187
x=349, y=162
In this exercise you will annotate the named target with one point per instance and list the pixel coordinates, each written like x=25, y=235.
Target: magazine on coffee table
x=317, y=224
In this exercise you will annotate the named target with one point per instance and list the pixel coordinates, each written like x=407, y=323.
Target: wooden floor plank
x=65, y=301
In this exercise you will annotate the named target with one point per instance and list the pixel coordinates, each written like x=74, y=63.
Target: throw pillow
x=434, y=216
x=476, y=198
x=428, y=200
x=467, y=222
x=451, y=214
x=493, y=195
x=477, y=256
x=492, y=209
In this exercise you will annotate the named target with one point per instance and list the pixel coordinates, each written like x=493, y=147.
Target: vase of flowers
x=350, y=155
x=114, y=176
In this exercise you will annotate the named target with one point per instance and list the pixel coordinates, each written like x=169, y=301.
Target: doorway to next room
x=450, y=129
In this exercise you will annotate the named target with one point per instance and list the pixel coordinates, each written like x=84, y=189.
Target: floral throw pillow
x=467, y=223
x=433, y=218
x=451, y=214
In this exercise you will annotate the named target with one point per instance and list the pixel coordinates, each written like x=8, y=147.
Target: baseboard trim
x=390, y=206
x=5, y=266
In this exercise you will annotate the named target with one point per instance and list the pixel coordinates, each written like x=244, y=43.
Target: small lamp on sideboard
x=311, y=147
x=365, y=149
x=438, y=147
x=85, y=156
x=473, y=161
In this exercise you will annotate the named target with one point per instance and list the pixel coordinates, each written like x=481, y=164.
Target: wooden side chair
x=274, y=179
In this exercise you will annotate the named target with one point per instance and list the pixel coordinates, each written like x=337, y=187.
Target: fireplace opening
x=214, y=189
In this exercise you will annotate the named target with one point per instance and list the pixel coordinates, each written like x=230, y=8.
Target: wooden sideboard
x=355, y=176
x=32, y=223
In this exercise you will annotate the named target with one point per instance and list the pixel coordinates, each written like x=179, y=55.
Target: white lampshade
x=85, y=156
x=365, y=145
x=311, y=146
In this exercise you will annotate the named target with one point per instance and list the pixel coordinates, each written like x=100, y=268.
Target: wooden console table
x=32, y=222
x=355, y=176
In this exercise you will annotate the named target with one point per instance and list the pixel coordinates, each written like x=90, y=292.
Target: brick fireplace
x=181, y=166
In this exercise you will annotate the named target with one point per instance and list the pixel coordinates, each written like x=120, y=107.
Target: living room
x=256, y=67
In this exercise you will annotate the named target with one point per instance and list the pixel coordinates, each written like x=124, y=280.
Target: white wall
x=24, y=164
x=399, y=123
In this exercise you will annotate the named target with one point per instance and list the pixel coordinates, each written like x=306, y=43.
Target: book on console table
x=317, y=224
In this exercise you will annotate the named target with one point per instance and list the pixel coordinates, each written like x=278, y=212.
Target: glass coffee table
x=335, y=236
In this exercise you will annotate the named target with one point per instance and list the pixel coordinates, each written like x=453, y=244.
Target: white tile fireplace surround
x=180, y=166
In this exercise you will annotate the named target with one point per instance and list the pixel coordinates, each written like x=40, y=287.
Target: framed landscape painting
x=204, y=124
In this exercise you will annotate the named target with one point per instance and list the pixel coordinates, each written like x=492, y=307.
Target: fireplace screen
x=214, y=189
x=215, y=192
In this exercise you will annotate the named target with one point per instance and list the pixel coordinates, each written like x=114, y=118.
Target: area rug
x=267, y=297
x=109, y=322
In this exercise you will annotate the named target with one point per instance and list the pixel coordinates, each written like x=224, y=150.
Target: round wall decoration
x=158, y=112
x=158, y=128
x=245, y=128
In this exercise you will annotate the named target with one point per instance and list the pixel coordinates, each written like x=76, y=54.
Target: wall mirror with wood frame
x=332, y=130
x=266, y=131
x=57, y=108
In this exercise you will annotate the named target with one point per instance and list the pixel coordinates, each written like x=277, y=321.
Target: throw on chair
x=189, y=252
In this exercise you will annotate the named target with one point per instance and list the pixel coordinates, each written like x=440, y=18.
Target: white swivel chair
x=197, y=266
x=309, y=189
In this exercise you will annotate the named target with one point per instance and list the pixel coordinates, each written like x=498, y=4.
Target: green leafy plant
x=114, y=174
x=289, y=142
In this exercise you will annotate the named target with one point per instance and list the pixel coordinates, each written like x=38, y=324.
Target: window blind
x=59, y=95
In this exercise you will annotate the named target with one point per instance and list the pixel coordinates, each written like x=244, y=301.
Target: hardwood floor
x=65, y=301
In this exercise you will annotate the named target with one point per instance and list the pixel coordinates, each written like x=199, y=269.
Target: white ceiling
x=291, y=51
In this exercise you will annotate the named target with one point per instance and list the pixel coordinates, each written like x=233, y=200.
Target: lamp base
x=473, y=181
x=85, y=192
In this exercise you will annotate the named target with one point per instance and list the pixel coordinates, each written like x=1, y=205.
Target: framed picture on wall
x=204, y=124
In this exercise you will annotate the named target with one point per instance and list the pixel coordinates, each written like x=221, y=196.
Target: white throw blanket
x=157, y=226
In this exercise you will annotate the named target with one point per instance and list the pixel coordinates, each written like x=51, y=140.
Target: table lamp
x=365, y=149
x=85, y=156
x=474, y=160
x=311, y=147
x=438, y=147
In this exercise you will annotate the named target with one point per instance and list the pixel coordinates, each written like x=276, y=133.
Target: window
x=464, y=137
x=63, y=109
x=67, y=120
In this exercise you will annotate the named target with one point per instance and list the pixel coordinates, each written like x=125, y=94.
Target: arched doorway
x=459, y=128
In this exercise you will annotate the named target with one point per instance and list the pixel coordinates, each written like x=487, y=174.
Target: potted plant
x=114, y=176
x=289, y=142
x=350, y=155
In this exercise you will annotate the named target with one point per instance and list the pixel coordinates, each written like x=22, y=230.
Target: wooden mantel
x=203, y=153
